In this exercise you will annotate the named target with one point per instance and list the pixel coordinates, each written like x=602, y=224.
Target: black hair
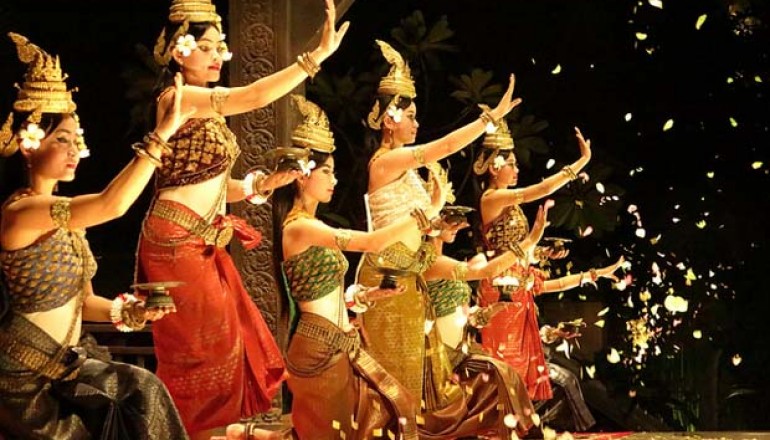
x=479, y=184
x=166, y=76
x=48, y=121
x=372, y=136
x=14, y=168
x=283, y=201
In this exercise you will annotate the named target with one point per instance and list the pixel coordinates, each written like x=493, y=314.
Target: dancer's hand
x=155, y=313
x=377, y=293
x=480, y=316
x=278, y=179
x=507, y=103
x=609, y=271
x=550, y=253
x=437, y=197
x=173, y=118
x=585, y=144
x=538, y=227
x=331, y=37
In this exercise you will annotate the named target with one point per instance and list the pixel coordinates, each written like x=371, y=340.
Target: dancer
x=339, y=390
x=49, y=388
x=396, y=326
x=402, y=337
x=513, y=334
x=216, y=355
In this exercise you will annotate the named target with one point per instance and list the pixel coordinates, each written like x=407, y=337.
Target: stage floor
x=716, y=435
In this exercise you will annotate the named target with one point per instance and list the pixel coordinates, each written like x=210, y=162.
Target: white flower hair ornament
x=185, y=45
x=30, y=136
x=224, y=50
x=307, y=166
x=80, y=141
x=395, y=113
x=498, y=163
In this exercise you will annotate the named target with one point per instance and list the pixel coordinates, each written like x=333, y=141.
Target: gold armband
x=218, y=98
x=460, y=271
x=60, y=212
x=419, y=155
x=342, y=238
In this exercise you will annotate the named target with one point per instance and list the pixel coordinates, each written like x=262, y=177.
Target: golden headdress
x=313, y=133
x=43, y=90
x=499, y=140
x=398, y=83
x=184, y=12
x=194, y=11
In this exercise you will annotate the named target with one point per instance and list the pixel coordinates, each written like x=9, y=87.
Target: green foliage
x=423, y=47
x=476, y=89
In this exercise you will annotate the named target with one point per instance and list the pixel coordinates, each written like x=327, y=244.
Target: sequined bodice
x=509, y=228
x=315, y=272
x=48, y=273
x=447, y=295
x=397, y=199
x=399, y=256
x=203, y=148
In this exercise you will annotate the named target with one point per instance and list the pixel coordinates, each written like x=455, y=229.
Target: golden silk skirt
x=339, y=390
x=395, y=330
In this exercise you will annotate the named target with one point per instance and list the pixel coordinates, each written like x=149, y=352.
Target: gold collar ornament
x=184, y=12
x=44, y=91
x=397, y=83
x=497, y=141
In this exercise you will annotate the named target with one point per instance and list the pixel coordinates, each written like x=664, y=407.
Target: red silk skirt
x=216, y=355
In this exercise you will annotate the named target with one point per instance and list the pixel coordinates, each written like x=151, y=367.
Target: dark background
x=677, y=73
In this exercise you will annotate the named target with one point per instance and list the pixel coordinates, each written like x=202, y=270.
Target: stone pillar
x=266, y=36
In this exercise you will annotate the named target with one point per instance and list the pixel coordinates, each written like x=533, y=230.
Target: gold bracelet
x=142, y=152
x=569, y=173
x=308, y=64
x=257, y=186
x=153, y=138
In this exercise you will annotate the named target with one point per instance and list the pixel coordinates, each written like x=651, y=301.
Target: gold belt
x=211, y=235
x=39, y=361
x=335, y=338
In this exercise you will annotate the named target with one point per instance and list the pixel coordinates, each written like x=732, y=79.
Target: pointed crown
x=500, y=139
x=397, y=83
x=44, y=89
x=313, y=133
x=399, y=80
